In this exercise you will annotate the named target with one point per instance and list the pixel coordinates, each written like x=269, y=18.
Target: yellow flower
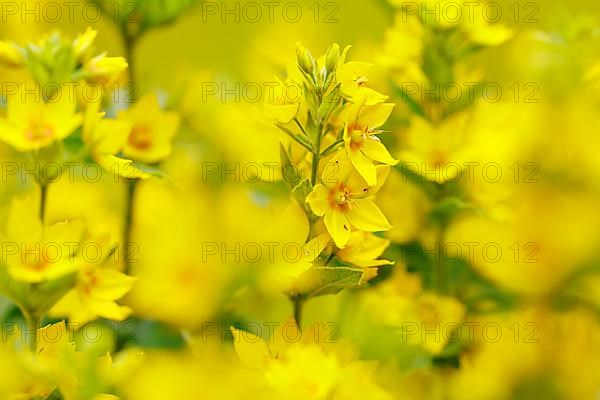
x=153, y=130
x=360, y=137
x=304, y=368
x=34, y=253
x=353, y=79
x=344, y=200
x=105, y=138
x=10, y=54
x=94, y=295
x=32, y=124
x=401, y=302
x=437, y=152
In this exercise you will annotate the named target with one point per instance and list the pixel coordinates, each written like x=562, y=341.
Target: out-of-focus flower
x=151, y=136
x=437, y=152
x=31, y=124
x=98, y=286
x=106, y=138
x=298, y=365
x=406, y=205
x=402, y=303
x=36, y=253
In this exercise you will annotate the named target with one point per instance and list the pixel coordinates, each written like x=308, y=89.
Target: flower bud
x=106, y=67
x=305, y=59
x=332, y=57
x=83, y=43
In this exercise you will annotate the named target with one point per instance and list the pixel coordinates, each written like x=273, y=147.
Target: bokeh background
x=542, y=295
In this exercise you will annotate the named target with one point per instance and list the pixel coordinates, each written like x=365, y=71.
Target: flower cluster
x=340, y=163
x=61, y=267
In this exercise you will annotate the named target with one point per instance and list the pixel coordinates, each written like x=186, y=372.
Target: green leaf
x=302, y=190
x=320, y=281
x=153, y=170
x=289, y=172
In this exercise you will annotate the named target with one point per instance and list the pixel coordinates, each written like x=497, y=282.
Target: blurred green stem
x=129, y=202
x=43, y=198
x=33, y=323
x=129, y=43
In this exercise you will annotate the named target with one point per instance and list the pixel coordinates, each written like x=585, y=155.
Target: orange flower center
x=38, y=130
x=141, y=137
x=358, y=135
x=438, y=157
x=90, y=281
x=37, y=261
x=339, y=197
x=39, y=266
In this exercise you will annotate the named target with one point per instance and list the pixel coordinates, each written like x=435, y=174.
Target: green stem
x=130, y=42
x=33, y=324
x=316, y=156
x=130, y=200
x=441, y=267
x=43, y=198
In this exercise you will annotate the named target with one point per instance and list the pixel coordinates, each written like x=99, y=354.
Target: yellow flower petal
x=111, y=284
x=366, y=216
x=376, y=151
x=376, y=115
x=317, y=199
x=338, y=227
x=251, y=349
x=364, y=166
